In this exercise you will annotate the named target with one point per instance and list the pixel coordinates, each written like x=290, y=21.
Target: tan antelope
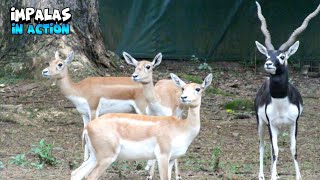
x=278, y=103
x=123, y=136
x=94, y=96
x=162, y=99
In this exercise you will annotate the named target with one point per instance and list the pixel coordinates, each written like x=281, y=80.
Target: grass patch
x=215, y=159
x=240, y=104
x=217, y=91
x=10, y=80
x=190, y=78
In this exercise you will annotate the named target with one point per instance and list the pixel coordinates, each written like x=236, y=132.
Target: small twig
x=67, y=107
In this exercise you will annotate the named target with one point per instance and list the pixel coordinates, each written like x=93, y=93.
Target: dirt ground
x=226, y=147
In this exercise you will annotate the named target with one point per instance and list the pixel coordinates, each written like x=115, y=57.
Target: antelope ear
x=129, y=59
x=262, y=49
x=293, y=49
x=69, y=58
x=207, y=81
x=157, y=60
x=56, y=55
x=177, y=80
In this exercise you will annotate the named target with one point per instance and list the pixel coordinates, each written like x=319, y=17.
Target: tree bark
x=85, y=38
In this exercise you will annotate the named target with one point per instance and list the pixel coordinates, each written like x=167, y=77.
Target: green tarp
x=208, y=29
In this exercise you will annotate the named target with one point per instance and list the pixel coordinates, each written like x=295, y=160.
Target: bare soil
x=32, y=110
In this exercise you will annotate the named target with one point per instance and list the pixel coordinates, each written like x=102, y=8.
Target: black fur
x=277, y=86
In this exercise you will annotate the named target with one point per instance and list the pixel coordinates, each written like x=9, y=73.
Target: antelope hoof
x=149, y=178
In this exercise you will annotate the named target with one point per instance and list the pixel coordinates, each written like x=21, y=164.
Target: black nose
x=44, y=72
x=184, y=97
x=134, y=75
x=269, y=63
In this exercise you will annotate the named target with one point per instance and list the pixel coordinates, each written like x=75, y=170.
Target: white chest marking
x=180, y=145
x=116, y=106
x=280, y=112
x=137, y=150
x=156, y=109
x=81, y=105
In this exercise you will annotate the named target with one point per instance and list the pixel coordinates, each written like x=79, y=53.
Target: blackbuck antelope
x=162, y=99
x=114, y=137
x=278, y=103
x=94, y=96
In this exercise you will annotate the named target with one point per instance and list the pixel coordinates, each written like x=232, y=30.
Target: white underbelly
x=116, y=106
x=137, y=150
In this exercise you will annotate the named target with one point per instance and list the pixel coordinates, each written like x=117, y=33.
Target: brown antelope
x=278, y=103
x=162, y=99
x=114, y=137
x=94, y=96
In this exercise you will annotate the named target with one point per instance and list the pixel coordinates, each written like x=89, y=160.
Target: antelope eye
x=198, y=89
x=148, y=66
x=60, y=64
x=182, y=89
x=282, y=57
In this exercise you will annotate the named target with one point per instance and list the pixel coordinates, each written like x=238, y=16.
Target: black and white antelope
x=278, y=103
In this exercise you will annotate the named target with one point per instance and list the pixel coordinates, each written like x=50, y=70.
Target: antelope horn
x=264, y=28
x=299, y=30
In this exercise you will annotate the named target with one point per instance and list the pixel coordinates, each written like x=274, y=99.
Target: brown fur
x=93, y=88
x=107, y=132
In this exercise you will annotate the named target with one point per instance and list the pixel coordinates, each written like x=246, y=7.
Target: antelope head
x=57, y=68
x=277, y=60
x=191, y=93
x=144, y=69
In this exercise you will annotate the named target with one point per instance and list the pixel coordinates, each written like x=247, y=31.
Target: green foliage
x=19, y=160
x=233, y=168
x=215, y=159
x=44, y=152
x=194, y=58
x=10, y=80
x=202, y=66
x=38, y=165
x=205, y=66
x=240, y=104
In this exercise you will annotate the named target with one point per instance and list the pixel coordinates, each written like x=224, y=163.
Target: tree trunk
x=85, y=38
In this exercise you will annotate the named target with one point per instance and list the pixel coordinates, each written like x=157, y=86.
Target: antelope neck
x=149, y=92
x=193, y=119
x=279, y=85
x=65, y=84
